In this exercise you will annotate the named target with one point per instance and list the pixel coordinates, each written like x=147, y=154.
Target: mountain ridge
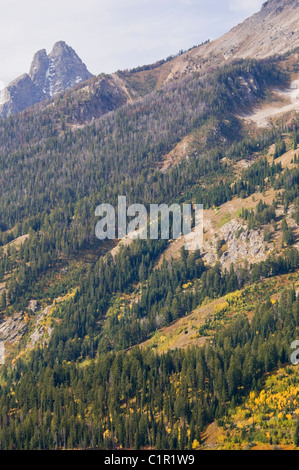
x=277, y=17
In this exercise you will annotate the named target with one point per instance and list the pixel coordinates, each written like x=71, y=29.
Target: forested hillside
x=77, y=319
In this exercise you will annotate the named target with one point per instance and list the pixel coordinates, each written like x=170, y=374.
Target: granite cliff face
x=49, y=75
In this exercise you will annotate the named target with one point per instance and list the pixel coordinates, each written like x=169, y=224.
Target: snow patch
x=50, y=74
x=290, y=102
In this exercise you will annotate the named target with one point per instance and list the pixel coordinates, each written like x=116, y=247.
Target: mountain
x=49, y=75
x=122, y=344
x=273, y=30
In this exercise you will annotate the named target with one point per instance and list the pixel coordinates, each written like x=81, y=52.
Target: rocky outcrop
x=13, y=328
x=49, y=75
x=19, y=94
x=240, y=244
x=40, y=331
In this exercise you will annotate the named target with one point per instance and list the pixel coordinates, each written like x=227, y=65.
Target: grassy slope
x=201, y=325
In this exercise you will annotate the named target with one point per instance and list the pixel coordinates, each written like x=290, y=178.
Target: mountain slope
x=273, y=30
x=82, y=321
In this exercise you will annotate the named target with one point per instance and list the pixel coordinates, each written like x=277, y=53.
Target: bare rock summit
x=49, y=74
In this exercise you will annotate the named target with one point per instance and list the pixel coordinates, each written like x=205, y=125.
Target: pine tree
x=3, y=300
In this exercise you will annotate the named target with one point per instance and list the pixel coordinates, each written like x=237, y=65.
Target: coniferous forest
x=93, y=381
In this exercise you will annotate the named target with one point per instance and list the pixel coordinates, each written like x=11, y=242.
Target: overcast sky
x=111, y=35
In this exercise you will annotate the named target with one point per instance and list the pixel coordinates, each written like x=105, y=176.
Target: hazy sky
x=110, y=35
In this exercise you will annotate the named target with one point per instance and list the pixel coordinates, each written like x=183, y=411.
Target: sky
x=111, y=35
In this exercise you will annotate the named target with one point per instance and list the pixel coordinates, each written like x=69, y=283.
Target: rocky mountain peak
x=65, y=68
x=49, y=74
x=38, y=70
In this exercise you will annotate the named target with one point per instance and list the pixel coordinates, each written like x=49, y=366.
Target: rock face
x=240, y=244
x=12, y=329
x=49, y=75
